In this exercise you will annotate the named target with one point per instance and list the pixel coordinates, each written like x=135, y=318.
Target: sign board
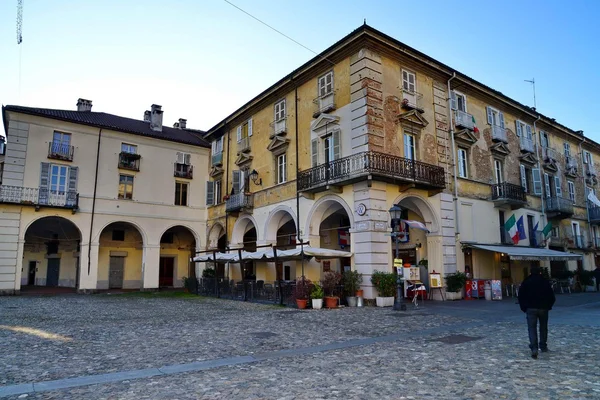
x=435, y=281
x=398, y=262
x=412, y=273
x=496, y=290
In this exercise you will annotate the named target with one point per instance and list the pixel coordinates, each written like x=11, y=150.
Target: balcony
x=324, y=104
x=508, y=194
x=526, y=144
x=130, y=161
x=571, y=165
x=371, y=165
x=38, y=197
x=499, y=134
x=463, y=120
x=575, y=241
x=243, y=145
x=557, y=207
x=217, y=159
x=60, y=151
x=590, y=170
x=239, y=201
x=594, y=214
x=278, y=127
x=412, y=101
x=183, y=171
x=505, y=237
x=549, y=154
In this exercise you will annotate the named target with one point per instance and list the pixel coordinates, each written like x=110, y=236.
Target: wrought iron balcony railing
x=183, y=171
x=499, y=134
x=557, y=206
x=243, y=145
x=508, y=193
x=217, y=159
x=463, y=120
x=38, y=197
x=237, y=201
x=576, y=241
x=594, y=213
x=129, y=161
x=60, y=151
x=570, y=162
x=590, y=169
x=526, y=144
x=549, y=154
x=324, y=103
x=379, y=166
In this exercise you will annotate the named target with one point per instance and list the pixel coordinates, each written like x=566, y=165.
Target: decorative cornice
x=465, y=136
x=278, y=145
x=413, y=117
x=500, y=149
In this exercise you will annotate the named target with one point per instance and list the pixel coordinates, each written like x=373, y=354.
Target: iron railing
x=238, y=201
x=412, y=100
x=576, y=241
x=243, y=144
x=129, y=161
x=217, y=159
x=559, y=205
x=60, y=151
x=570, y=162
x=594, y=213
x=590, y=169
x=371, y=163
x=526, y=144
x=324, y=103
x=183, y=171
x=38, y=197
x=278, y=127
x=499, y=134
x=508, y=192
x=549, y=154
x=463, y=119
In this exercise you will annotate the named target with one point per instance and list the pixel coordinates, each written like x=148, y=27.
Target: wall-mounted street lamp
x=255, y=178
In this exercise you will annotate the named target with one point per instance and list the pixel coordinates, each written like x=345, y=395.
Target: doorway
x=115, y=272
x=31, y=272
x=53, y=272
x=166, y=271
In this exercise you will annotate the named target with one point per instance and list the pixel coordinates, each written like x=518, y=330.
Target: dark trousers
x=533, y=315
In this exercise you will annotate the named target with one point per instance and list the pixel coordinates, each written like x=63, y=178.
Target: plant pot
x=317, y=304
x=301, y=303
x=331, y=302
x=453, y=295
x=384, y=301
x=352, y=301
x=359, y=293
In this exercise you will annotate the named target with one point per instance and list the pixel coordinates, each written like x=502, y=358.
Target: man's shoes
x=544, y=350
x=534, y=355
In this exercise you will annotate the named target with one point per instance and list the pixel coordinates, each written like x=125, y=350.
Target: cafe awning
x=269, y=255
x=521, y=253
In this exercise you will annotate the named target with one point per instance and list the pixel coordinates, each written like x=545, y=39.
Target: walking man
x=536, y=298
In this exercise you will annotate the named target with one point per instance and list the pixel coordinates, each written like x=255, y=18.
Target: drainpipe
x=587, y=212
x=297, y=165
x=94, y=201
x=451, y=130
x=537, y=153
x=227, y=184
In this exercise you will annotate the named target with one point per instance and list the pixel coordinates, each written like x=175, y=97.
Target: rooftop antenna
x=532, y=81
x=19, y=21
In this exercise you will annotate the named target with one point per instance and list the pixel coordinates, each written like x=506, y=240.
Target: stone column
x=88, y=282
x=150, y=261
x=19, y=266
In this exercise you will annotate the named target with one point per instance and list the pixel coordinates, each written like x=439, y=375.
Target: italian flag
x=511, y=228
x=475, y=128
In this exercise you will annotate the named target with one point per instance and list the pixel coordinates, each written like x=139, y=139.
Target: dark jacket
x=536, y=292
x=597, y=274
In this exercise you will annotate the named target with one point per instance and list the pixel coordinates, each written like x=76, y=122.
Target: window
x=184, y=158
x=128, y=148
x=217, y=146
x=498, y=171
x=244, y=130
x=125, y=187
x=61, y=143
x=558, y=188
x=279, y=110
x=213, y=193
x=571, y=191
x=523, y=130
x=567, y=149
x=544, y=140
x=326, y=84
x=281, y=168
x=555, y=231
x=118, y=235
x=314, y=152
x=181, y=193
x=524, y=177
x=587, y=157
x=495, y=117
x=459, y=101
x=537, y=181
x=462, y=163
x=409, y=81
x=547, y=185
x=58, y=179
x=218, y=192
x=409, y=146
x=576, y=232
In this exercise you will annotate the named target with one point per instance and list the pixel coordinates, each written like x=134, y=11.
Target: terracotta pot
x=331, y=302
x=301, y=303
x=359, y=293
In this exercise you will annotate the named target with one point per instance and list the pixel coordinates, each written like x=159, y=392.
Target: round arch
x=134, y=224
x=192, y=231
x=47, y=217
x=243, y=224
x=323, y=208
x=214, y=234
x=276, y=219
x=422, y=207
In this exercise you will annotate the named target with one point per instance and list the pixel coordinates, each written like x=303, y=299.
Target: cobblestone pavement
x=448, y=350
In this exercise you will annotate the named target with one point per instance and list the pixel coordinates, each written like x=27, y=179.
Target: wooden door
x=115, y=272
x=53, y=272
x=165, y=273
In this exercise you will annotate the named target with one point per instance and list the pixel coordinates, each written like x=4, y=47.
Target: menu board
x=435, y=281
x=496, y=290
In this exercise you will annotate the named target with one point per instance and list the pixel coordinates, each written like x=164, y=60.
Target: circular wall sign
x=361, y=209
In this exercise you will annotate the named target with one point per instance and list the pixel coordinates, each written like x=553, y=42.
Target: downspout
x=297, y=165
x=94, y=201
x=227, y=185
x=451, y=131
x=587, y=212
x=537, y=153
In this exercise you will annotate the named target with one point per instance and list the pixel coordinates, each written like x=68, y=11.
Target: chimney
x=84, y=105
x=146, y=116
x=182, y=123
x=156, y=116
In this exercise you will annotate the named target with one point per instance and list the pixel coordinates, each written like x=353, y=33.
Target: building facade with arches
x=94, y=201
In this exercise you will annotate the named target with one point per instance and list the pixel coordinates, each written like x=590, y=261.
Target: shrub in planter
x=208, y=273
x=385, y=283
x=331, y=280
x=455, y=282
x=302, y=289
x=316, y=296
x=351, y=281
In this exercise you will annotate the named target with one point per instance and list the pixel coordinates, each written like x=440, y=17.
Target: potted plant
x=316, y=296
x=351, y=281
x=586, y=279
x=186, y=282
x=385, y=283
x=301, y=291
x=331, y=280
x=455, y=283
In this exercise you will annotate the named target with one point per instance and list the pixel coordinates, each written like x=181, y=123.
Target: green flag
x=547, y=229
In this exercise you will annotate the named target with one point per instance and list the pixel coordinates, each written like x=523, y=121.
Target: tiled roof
x=114, y=122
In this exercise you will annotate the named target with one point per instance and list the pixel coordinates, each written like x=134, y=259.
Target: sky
x=203, y=59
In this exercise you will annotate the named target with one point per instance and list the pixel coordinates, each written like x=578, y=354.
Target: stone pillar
x=448, y=233
x=88, y=282
x=19, y=266
x=150, y=261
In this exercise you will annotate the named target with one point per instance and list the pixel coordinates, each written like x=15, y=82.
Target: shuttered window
x=523, y=177
x=571, y=191
x=210, y=193
x=557, y=186
x=495, y=117
x=409, y=146
x=498, y=171
x=326, y=84
x=462, y=163
x=125, y=187
x=315, y=152
x=537, y=181
x=181, y=194
x=279, y=110
x=458, y=101
x=281, y=169
x=408, y=81
x=567, y=149
x=547, y=185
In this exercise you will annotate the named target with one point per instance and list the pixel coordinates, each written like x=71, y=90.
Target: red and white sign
x=344, y=237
